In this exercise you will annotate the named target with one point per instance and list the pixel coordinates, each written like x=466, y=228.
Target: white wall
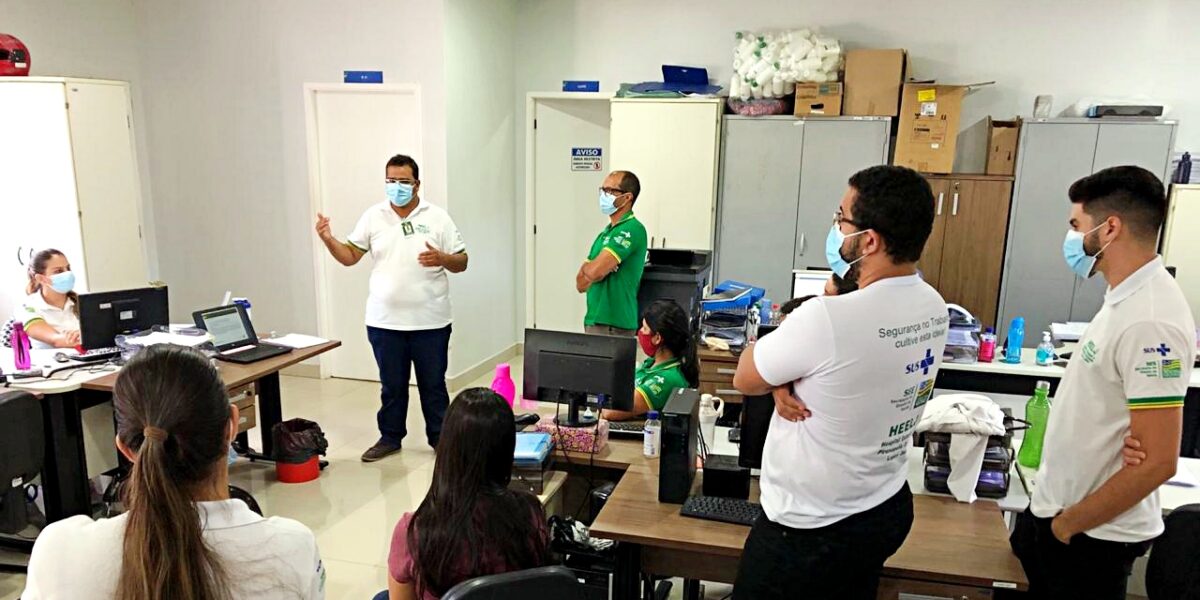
x=94, y=39
x=1030, y=47
x=480, y=127
x=223, y=83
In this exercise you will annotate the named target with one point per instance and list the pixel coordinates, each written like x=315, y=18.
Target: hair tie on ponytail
x=154, y=433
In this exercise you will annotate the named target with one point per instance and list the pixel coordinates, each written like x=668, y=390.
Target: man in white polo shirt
x=414, y=244
x=834, y=484
x=1090, y=516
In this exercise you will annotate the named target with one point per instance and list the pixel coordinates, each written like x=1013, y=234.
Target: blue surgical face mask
x=833, y=250
x=63, y=282
x=399, y=194
x=1080, y=262
x=608, y=203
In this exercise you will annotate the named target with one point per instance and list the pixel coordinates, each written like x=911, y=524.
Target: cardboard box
x=818, y=99
x=928, y=131
x=1002, y=146
x=873, y=81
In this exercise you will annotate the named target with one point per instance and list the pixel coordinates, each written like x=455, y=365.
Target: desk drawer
x=907, y=589
x=247, y=419
x=723, y=390
x=711, y=369
x=244, y=396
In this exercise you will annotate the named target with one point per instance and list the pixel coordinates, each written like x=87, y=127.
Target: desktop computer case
x=677, y=462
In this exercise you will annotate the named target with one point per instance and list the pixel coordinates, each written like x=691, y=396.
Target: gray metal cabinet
x=1053, y=154
x=781, y=179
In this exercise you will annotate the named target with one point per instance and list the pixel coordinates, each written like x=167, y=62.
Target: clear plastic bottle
x=987, y=346
x=652, y=435
x=1045, y=350
x=1037, y=412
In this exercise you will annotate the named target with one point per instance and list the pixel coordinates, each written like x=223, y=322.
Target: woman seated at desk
x=666, y=338
x=182, y=536
x=469, y=524
x=50, y=312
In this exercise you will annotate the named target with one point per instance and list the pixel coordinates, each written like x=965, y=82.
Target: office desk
x=64, y=475
x=954, y=549
x=1020, y=379
x=1171, y=496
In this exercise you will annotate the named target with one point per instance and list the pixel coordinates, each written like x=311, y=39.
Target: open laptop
x=234, y=336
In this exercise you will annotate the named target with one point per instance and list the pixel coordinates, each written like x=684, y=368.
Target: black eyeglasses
x=613, y=191
x=838, y=219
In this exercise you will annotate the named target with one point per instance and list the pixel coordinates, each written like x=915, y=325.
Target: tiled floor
x=353, y=506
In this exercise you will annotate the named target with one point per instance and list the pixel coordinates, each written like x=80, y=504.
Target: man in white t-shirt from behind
x=834, y=484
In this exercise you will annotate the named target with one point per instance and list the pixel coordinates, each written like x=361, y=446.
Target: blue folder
x=532, y=449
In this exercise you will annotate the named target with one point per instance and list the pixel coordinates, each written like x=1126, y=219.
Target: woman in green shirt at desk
x=666, y=338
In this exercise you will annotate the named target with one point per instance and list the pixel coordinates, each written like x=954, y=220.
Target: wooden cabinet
x=964, y=256
x=716, y=374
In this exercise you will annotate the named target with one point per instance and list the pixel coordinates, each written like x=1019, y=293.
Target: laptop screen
x=226, y=326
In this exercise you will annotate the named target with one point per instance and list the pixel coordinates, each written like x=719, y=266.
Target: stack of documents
x=1071, y=331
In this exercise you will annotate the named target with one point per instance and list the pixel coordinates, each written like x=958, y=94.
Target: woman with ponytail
x=667, y=339
x=182, y=537
x=50, y=312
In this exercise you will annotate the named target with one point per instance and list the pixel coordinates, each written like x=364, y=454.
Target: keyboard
x=725, y=510
x=626, y=429
x=97, y=355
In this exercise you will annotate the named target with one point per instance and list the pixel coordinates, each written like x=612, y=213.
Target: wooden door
x=976, y=226
x=930, y=264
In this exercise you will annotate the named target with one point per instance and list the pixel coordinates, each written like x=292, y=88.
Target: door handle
x=651, y=241
x=803, y=244
x=664, y=243
x=954, y=208
x=941, y=197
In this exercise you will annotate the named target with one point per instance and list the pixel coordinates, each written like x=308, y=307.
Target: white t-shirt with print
x=35, y=308
x=403, y=295
x=265, y=559
x=1137, y=354
x=865, y=364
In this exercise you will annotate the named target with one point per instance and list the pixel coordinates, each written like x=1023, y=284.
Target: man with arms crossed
x=1090, y=516
x=613, y=271
x=834, y=487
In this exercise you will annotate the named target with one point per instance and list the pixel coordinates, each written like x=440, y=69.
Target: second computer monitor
x=105, y=315
x=568, y=367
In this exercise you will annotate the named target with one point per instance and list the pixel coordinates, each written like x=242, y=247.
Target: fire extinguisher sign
x=586, y=159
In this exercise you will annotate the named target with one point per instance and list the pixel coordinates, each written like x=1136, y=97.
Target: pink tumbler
x=503, y=383
x=22, y=357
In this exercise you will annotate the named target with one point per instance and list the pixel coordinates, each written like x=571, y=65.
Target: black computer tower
x=677, y=462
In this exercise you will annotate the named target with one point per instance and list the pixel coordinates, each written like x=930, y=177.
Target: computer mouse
x=61, y=357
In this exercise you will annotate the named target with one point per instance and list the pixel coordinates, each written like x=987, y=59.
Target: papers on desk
x=1184, y=477
x=1071, y=331
x=297, y=341
x=155, y=338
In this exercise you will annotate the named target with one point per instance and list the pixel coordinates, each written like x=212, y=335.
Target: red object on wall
x=14, y=56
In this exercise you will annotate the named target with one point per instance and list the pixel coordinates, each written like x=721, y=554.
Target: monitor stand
x=576, y=404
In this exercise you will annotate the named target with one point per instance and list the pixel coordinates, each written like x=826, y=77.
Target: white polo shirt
x=264, y=558
x=35, y=308
x=1137, y=354
x=865, y=364
x=405, y=296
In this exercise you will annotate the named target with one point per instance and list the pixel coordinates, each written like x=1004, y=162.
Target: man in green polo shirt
x=613, y=271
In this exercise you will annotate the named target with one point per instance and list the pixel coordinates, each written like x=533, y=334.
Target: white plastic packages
x=768, y=64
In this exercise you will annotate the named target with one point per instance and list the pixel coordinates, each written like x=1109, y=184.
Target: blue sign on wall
x=586, y=159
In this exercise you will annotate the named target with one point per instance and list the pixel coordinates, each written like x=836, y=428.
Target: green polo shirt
x=612, y=301
x=658, y=382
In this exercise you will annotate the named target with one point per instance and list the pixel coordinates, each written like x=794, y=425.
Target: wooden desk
x=954, y=549
x=64, y=475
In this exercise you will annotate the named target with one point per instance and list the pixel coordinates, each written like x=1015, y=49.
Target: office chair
x=22, y=451
x=1173, y=572
x=543, y=583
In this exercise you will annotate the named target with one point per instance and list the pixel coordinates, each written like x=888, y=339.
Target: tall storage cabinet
x=1181, y=245
x=1053, y=154
x=964, y=256
x=671, y=145
x=70, y=183
x=781, y=181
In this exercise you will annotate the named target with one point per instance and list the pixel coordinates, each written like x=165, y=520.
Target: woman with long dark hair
x=667, y=339
x=182, y=537
x=470, y=524
x=50, y=312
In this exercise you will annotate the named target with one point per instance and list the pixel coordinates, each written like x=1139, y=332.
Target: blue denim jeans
x=396, y=353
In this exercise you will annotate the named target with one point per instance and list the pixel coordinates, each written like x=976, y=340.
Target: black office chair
x=543, y=583
x=22, y=451
x=1173, y=573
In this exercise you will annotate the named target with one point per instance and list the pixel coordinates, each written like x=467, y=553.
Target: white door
x=37, y=185
x=106, y=176
x=565, y=205
x=671, y=145
x=352, y=131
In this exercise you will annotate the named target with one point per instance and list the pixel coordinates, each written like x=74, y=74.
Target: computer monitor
x=809, y=283
x=105, y=315
x=567, y=367
x=754, y=425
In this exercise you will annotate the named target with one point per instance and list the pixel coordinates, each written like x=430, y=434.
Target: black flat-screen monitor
x=755, y=423
x=105, y=315
x=568, y=367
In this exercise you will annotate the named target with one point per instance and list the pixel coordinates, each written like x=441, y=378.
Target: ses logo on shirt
x=1172, y=368
x=922, y=365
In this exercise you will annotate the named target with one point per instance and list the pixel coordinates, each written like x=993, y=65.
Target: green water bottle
x=1037, y=412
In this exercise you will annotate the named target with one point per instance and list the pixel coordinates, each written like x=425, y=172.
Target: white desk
x=59, y=383
x=1172, y=496
x=1028, y=367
